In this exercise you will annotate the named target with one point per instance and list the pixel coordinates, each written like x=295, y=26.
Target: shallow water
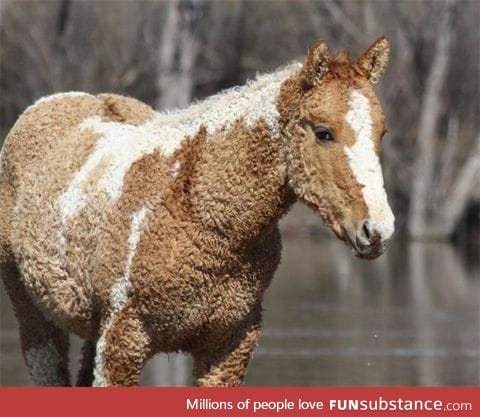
x=408, y=318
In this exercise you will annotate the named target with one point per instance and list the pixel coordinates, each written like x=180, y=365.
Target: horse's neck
x=236, y=168
x=239, y=184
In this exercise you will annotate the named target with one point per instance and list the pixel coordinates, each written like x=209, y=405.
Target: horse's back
x=51, y=126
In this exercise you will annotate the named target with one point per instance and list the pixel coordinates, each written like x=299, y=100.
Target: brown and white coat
x=146, y=232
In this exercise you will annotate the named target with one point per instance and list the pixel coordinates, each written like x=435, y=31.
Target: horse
x=146, y=232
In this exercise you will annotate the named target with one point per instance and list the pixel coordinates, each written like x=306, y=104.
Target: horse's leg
x=122, y=350
x=228, y=364
x=85, y=374
x=44, y=345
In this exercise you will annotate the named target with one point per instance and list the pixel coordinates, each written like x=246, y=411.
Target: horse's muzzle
x=368, y=240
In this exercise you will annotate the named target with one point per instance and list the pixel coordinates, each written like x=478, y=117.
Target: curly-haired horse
x=146, y=232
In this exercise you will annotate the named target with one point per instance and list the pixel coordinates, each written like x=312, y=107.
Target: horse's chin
x=366, y=256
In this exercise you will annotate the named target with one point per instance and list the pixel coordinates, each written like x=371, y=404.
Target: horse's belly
x=183, y=311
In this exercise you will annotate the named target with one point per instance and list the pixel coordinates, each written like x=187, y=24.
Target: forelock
x=342, y=67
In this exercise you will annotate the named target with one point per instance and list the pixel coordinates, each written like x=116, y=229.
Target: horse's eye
x=323, y=134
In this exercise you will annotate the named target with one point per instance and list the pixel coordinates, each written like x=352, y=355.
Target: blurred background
x=411, y=317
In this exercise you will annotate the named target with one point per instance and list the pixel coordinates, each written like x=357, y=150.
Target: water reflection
x=408, y=318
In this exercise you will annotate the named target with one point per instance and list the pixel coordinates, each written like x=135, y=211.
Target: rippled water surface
x=408, y=318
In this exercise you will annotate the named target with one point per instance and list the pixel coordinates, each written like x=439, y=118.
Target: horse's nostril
x=366, y=232
x=370, y=239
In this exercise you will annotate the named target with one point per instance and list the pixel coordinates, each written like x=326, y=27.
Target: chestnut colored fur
x=180, y=261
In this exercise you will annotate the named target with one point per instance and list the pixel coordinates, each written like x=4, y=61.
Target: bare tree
x=178, y=51
x=436, y=208
x=428, y=128
x=453, y=205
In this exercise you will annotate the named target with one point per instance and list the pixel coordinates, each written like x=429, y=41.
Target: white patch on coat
x=68, y=94
x=43, y=363
x=119, y=294
x=121, y=144
x=119, y=291
x=366, y=167
x=175, y=169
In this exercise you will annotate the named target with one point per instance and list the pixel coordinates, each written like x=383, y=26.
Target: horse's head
x=334, y=124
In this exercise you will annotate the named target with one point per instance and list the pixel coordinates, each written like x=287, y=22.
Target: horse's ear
x=316, y=64
x=375, y=60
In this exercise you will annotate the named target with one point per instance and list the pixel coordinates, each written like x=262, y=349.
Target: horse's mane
x=256, y=98
x=251, y=86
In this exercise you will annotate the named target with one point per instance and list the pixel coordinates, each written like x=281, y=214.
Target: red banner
x=232, y=402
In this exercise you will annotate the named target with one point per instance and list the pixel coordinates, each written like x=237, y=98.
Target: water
x=408, y=318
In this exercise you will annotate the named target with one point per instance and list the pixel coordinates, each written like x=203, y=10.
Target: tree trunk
x=178, y=52
x=63, y=17
x=455, y=203
x=418, y=225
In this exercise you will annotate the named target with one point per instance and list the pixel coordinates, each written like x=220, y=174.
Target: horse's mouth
x=360, y=247
x=350, y=242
